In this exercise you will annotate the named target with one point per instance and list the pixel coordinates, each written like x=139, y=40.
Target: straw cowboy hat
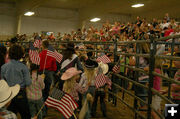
x=7, y=93
x=104, y=67
x=69, y=73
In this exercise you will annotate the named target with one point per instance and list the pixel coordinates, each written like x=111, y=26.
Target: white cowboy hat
x=104, y=67
x=7, y=93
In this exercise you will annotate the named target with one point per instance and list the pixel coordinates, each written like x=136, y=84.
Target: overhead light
x=137, y=5
x=29, y=13
x=95, y=19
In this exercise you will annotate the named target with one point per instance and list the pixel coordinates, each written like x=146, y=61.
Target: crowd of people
x=28, y=85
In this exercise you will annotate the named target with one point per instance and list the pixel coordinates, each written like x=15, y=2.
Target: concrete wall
x=109, y=17
x=47, y=19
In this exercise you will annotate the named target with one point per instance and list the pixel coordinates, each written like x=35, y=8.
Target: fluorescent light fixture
x=29, y=13
x=95, y=19
x=137, y=5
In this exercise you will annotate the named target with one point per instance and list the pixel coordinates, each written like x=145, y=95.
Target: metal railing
x=152, y=56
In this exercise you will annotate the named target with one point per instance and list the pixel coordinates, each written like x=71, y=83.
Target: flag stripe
x=34, y=56
x=67, y=111
x=55, y=55
x=105, y=59
x=69, y=100
x=116, y=68
x=61, y=108
x=62, y=102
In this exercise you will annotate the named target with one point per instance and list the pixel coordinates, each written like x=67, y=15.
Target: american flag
x=105, y=59
x=53, y=53
x=116, y=68
x=62, y=102
x=37, y=43
x=101, y=80
x=33, y=54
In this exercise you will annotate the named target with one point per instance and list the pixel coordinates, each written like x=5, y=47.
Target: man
x=15, y=72
x=6, y=95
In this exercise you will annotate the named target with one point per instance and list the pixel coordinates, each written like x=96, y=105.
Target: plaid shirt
x=34, y=91
x=77, y=88
x=5, y=114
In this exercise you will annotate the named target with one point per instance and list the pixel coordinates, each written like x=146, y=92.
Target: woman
x=70, y=59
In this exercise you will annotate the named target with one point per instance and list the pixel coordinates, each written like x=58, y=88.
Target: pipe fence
x=152, y=56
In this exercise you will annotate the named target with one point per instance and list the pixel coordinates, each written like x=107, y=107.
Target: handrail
x=168, y=37
x=168, y=57
x=138, y=84
x=166, y=78
x=133, y=54
x=163, y=97
x=128, y=92
x=127, y=105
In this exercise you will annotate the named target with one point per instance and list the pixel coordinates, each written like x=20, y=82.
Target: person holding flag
x=48, y=67
x=101, y=81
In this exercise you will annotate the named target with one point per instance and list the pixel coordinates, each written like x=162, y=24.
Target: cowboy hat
x=90, y=63
x=7, y=93
x=104, y=67
x=69, y=73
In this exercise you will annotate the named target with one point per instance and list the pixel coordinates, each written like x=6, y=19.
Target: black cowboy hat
x=91, y=63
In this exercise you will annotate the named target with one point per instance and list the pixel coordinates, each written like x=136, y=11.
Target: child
x=156, y=100
x=70, y=85
x=175, y=87
x=34, y=92
x=88, y=78
x=100, y=92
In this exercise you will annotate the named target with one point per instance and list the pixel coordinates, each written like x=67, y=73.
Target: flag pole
x=74, y=115
x=45, y=63
x=40, y=109
x=44, y=102
x=43, y=73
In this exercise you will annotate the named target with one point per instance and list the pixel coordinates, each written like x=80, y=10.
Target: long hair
x=90, y=73
x=69, y=84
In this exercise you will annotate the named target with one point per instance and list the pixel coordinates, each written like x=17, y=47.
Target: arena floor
x=113, y=112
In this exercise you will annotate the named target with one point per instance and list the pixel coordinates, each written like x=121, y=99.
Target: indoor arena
x=89, y=59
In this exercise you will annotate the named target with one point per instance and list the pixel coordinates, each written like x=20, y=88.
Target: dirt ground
x=120, y=111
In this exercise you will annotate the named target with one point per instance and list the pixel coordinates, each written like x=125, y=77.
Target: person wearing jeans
x=100, y=92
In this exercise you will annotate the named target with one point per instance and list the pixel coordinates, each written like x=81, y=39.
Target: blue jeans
x=48, y=81
x=90, y=90
x=142, y=92
x=20, y=104
x=100, y=94
x=34, y=107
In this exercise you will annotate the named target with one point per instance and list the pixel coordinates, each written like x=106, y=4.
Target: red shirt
x=50, y=63
x=157, y=80
x=168, y=32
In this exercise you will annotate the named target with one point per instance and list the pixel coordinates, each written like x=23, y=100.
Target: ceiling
x=93, y=8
